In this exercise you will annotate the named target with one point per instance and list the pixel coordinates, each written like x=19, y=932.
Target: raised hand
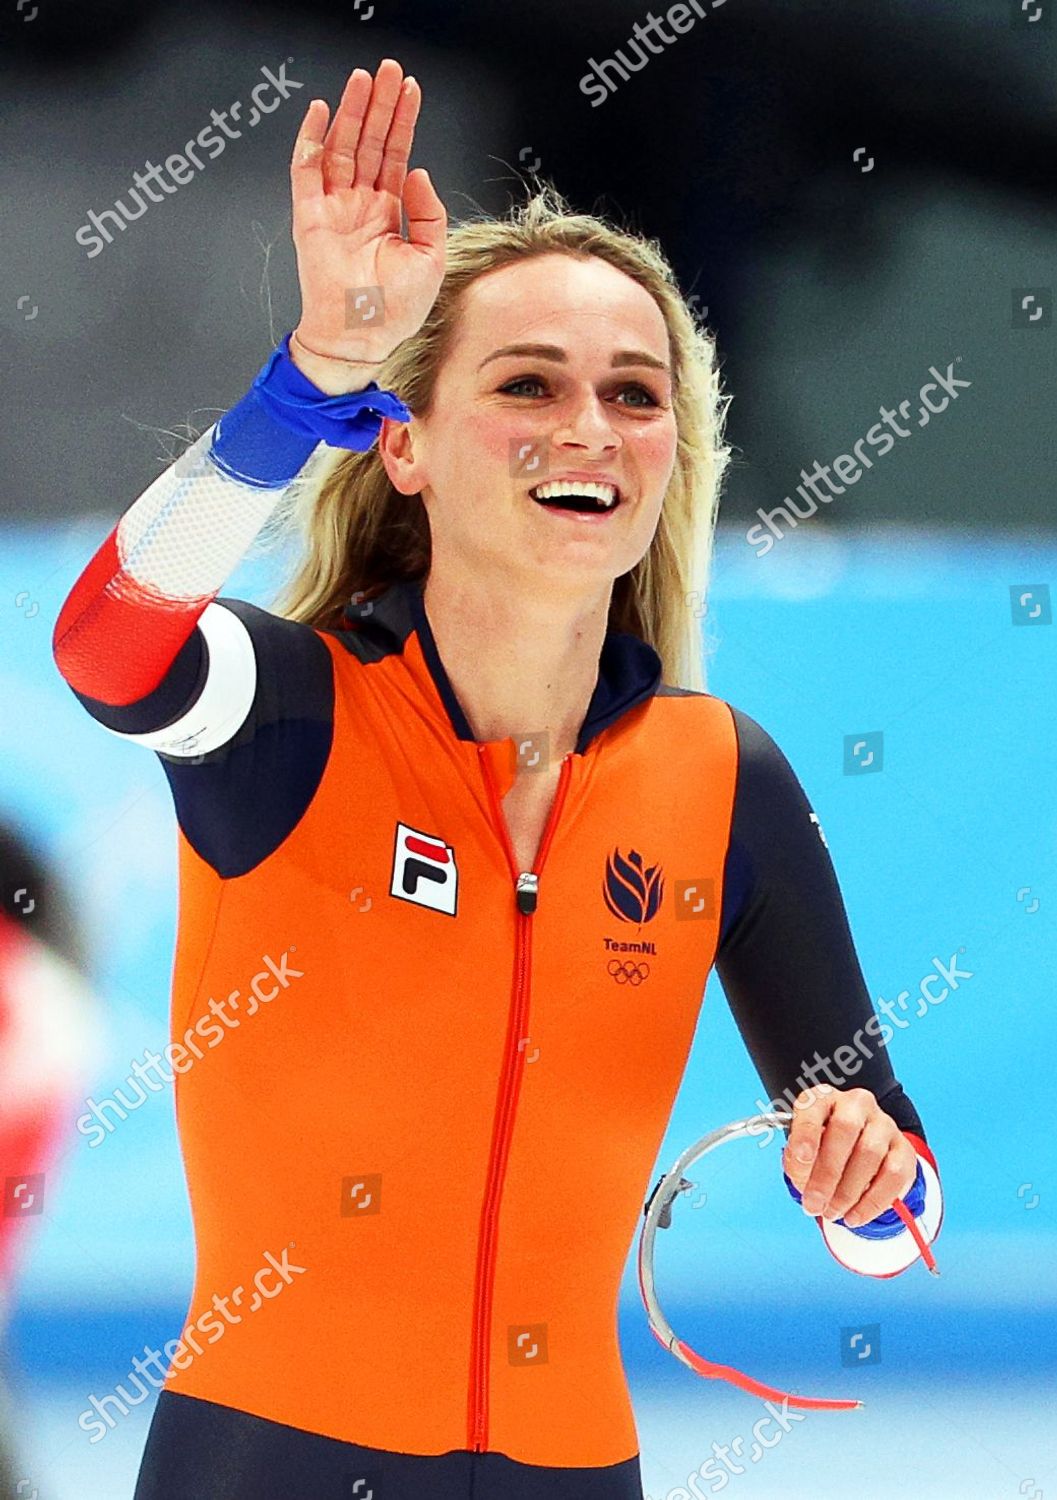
x=348, y=183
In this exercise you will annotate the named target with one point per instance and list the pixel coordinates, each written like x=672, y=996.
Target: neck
x=521, y=663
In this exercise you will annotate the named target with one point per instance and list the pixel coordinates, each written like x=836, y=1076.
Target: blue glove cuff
x=888, y=1224
x=267, y=437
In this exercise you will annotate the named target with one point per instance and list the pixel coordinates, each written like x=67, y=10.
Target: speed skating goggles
x=904, y=1212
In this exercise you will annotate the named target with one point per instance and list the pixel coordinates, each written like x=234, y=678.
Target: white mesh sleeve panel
x=184, y=535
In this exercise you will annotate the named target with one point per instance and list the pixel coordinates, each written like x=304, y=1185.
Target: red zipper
x=525, y=894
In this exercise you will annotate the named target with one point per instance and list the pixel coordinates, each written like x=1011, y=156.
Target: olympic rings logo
x=627, y=973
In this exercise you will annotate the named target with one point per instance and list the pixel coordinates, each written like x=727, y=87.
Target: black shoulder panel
x=237, y=804
x=178, y=690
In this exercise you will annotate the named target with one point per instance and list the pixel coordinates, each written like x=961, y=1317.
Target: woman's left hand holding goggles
x=847, y=1157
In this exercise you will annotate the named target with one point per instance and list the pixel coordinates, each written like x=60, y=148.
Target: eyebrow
x=552, y=351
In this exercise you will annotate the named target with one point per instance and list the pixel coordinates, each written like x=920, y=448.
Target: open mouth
x=578, y=495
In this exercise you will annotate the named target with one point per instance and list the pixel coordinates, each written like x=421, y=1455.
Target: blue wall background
x=909, y=633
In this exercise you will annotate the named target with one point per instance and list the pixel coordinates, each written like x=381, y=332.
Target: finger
x=893, y=1180
x=398, y=141
x=379, y=117
x=839, y=1136
x=810, y=1109
x=864, y=1163
x=427, y=220
x=306, y=176
x=339, y=166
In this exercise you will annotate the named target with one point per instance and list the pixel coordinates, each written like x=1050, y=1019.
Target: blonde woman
x=460, y=837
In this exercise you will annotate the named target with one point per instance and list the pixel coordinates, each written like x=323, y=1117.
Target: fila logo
x=424, y=870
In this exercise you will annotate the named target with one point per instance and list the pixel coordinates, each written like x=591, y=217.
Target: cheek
x=654, y=459
x=490, y=440
x=487, y=455
x=657, y=446
x=512, y=441
x=510, y=446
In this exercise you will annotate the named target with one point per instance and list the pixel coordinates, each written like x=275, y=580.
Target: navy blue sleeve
x=786, y=959
x=268, y=726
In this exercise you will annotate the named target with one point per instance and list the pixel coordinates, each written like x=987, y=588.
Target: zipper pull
x=528, y=885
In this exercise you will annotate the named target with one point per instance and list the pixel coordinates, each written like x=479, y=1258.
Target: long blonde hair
x=361, y=534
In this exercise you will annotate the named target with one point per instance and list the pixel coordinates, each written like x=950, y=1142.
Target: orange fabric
x=397, y=1054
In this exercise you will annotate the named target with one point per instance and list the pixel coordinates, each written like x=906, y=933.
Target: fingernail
x=812, y=1203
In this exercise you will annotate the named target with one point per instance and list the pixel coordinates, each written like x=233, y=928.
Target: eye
x=634, y=386
x=521, y=380
x=538, y=380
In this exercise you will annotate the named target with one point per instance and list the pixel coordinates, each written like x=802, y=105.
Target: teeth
x=553, y=489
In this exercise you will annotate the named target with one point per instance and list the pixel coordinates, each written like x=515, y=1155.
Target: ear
x=396, y=447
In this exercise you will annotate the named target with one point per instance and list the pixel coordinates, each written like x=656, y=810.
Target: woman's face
x=591, y=399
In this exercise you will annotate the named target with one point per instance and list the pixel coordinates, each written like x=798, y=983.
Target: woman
x=459, y=842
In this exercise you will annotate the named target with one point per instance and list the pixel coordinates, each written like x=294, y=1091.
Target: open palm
x=364, y=288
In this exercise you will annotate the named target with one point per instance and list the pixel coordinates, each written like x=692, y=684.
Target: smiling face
x=559, y=368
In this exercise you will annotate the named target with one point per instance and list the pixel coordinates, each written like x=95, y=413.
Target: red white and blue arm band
x=884, y=1246
x=135, y=606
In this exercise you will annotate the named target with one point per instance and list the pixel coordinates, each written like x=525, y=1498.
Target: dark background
x=832, y=289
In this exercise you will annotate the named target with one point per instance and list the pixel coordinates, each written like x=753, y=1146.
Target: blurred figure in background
x=48, y=1021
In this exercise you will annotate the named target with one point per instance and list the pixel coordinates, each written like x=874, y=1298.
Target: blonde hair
x=360, y=534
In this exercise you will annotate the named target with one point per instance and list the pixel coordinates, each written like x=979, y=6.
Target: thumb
x=427, y=220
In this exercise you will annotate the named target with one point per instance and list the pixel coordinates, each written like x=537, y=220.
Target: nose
x=586, y=423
